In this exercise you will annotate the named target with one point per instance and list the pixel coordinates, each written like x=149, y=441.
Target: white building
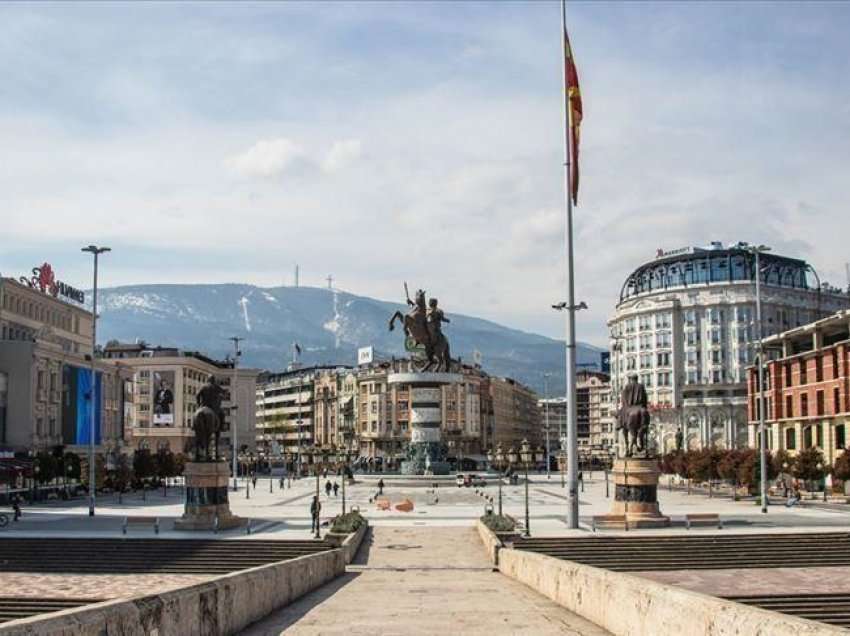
x=685, y=323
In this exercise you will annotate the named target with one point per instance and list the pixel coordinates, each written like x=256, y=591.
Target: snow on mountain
x=329, y=324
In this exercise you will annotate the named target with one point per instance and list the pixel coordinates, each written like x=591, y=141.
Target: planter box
x=349, y=542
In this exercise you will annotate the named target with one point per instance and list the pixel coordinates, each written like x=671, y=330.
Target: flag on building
x=574, y=113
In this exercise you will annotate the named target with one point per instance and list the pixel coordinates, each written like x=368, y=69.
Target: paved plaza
x=424, y=581
x=422, y=571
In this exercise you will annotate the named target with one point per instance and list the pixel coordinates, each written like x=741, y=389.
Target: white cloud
x=267, y=158
x=341, y=154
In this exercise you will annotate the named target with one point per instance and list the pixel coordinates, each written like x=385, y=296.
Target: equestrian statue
x=633, y=417
x=208, y=421
x=423, y=330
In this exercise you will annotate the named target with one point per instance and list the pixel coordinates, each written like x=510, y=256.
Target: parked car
x=460, y=480
x=478, y=480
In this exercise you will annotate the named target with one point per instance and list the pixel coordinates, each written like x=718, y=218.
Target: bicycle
x=4, y=520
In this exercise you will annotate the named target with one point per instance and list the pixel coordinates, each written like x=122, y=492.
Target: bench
x=610, y=521
x=140, y=521
x=706, y=517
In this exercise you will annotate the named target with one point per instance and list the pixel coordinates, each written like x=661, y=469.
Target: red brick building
x=807, y=381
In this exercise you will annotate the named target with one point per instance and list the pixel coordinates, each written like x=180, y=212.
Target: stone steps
x=12, y=608
x=126, y=556
x=698, y=552
x=833, y=609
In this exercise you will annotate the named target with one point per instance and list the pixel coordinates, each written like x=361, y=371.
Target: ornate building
x=685, y=324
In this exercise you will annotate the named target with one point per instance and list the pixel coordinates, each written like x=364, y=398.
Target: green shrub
x=348, y=523
x=496, y=523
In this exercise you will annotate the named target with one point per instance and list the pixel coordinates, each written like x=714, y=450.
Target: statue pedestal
x=206, y=498
x=426, y=417
x=635, y=495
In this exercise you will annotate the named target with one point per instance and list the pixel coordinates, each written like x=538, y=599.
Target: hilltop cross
x=330, y=280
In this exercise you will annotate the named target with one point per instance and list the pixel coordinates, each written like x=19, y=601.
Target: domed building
x=685, y=324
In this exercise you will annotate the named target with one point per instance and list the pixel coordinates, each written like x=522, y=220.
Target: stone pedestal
x=426, y=452
x=206, y=498
x=635, y=495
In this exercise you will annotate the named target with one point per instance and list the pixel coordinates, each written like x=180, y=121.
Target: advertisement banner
x=163, y=398
x=77, y=405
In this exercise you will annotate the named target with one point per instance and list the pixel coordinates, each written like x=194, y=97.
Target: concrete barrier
x=628, y=605
x=349, y=543
x=491, y=541
x=224, y=605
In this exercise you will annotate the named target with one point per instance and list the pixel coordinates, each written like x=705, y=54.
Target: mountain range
x=329, y=325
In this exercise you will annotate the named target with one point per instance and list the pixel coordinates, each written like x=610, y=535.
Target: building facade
x=163, y=397
x=45, y=372
x=516, y=414
x=807, y=388
x=284, y=411
x=685, y=325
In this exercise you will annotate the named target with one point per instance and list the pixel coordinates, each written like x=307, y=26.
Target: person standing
x=328, y=488
x=380, y=486
x=336, y=489
x=16, y=507
x=315, y=511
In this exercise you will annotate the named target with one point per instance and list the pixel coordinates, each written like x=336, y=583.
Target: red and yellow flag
x=574, y=113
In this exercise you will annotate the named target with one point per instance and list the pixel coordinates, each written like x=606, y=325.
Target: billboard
x=163, y=398
x=77, y=405
x=365, y=355
x=605, y=362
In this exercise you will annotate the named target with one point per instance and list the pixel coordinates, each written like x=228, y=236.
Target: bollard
x=215, y=525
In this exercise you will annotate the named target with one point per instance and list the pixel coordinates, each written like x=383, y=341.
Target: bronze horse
x=634, y=422
x=207, y=427
x=416, y=326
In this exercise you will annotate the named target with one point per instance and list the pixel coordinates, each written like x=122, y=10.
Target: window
x=788, y=374
x=692, y=358
x=631, y=345
x=694, y=376
x=714, y=336
x=690, y=317
x=662, y=340
x=716, y=376
x=807, y=437
x=716, y=356
x=663, y=359
x=692, y=338
x=374, y=408
x=630, y=325
x=645, y=342
x=836, y=401
x=819, y=369
x=664, y=378
x=645, y=360
x=789, y=406
x=804, y=405
x=819, y=436
x=646, y=379
x=663, y=320
x=645, y=322
x=790, y=439
x=840, y=440
x=803, y=372
x=819, y=400
x=631, y=363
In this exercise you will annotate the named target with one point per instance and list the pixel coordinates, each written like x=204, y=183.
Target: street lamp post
x=757, y=250
x=546, y=427
x=233, y=437
x=525, y=455
x=95, y=251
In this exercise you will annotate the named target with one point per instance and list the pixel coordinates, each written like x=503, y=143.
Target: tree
x=728, y=466
x=782, y=462
x=144, y=464
x=841, y=467
x=71, y=462
x=46, y=467
x=99, y=472
x=165, y=464
x=749, y=470
x=179, y=464
x=122, y=476
x=809, y=465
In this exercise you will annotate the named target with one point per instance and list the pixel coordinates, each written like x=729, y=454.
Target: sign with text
x=365, y=355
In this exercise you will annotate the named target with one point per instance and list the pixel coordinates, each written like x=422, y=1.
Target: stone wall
x=219, y=607
x=491, y=541
x=628, y=605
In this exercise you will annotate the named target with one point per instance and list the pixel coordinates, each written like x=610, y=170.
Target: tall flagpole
x=572, y=428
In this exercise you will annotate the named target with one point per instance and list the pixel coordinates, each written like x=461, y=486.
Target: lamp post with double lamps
x=95, y=251
x=526, y=455
x=757, y=250
x=497, y=460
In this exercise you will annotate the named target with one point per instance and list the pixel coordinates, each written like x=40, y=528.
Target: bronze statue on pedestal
x=633, y=417
x=208, y=421
x=423, y=332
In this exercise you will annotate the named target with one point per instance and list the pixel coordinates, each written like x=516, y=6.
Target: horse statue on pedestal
x=633, y=418
x=208, y=421
x=423, y=330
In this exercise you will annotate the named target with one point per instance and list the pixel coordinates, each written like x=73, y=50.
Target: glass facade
x=715, y=266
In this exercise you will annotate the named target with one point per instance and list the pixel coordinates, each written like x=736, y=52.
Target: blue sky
x=214, y=142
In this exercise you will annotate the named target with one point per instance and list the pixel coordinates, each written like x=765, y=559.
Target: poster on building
x=77, y=406
x=127, y=421
x=163, y=398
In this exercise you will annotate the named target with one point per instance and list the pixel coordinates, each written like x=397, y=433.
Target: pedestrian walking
x=16, y=507
x=328, y=488
x=380, y=486
x=254, y=481
x=315, y=511
x=336, y=489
